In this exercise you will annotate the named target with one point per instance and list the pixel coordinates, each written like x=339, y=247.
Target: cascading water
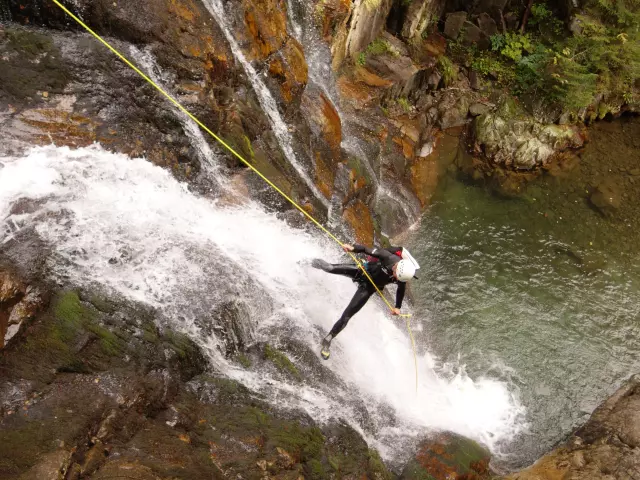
x=128, y=227
x=267, y=102
x=146, y=61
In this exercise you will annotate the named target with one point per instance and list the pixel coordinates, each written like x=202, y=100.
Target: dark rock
x=487, y=24
x=472, y=33
x=454, y=24
x=434, y=80
x=511, y=20
x=473, y=79
x=606, y=197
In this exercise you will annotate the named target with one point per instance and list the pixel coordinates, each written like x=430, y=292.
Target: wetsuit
x=379, y=269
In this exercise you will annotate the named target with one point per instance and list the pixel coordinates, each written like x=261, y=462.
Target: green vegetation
x=404, y=104
x=602, y=56
x=379, y=46
x=447, y=69
x=244, y=360
x=281, y=361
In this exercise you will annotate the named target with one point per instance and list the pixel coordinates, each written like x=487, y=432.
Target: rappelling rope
x=255, y=170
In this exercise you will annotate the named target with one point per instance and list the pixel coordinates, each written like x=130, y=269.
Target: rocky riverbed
x=95, y=385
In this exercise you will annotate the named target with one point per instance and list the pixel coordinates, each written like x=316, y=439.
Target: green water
x=540, y=292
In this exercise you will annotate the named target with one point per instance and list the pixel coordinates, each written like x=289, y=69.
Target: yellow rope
x=237, y=155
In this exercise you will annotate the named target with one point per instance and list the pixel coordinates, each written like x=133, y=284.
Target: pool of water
x=539, y=291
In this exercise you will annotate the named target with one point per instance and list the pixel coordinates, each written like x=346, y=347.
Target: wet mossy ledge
x=91, y=387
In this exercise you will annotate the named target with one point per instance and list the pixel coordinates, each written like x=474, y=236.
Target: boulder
x=487, y=24
x=477, y=109
x=511, y=137
x=605, y=448
x=606, y=197
x=473, y=35
x=449, y=456
x=453, y=109
x=453, y=24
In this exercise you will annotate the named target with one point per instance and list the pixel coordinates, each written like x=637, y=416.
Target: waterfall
x=267, y=102
x=128, y=227
x=147, y=63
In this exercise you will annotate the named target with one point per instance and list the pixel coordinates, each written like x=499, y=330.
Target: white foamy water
x=128, y=226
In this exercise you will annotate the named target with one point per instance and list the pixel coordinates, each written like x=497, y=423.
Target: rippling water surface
x=541, y=291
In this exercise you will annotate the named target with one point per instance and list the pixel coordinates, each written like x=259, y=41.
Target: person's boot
x=326, y=345
x=321, y=264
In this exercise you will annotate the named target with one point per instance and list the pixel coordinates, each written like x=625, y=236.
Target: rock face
x=367, y=20
x=420, y=15
x=514, y=139
x=95, y=389
x=605, y=448
x=448, y=456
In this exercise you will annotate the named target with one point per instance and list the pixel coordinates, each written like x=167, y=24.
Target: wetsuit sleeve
x=379, y=253
x=402, y=286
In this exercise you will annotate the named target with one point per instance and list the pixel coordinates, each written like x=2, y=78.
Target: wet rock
x=487, y=24
x=453, y=109
x=512, y=138
x=358, y=217
x=604, y=448
x=288, y=68
x=477, y=109
x=449, y=456
x=233, y=326
x=453, y=24
x=606, y=197
x=52, y=466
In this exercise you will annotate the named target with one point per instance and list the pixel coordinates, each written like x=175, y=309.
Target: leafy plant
x=404, y=103
x=447, y=69
x=512, y=45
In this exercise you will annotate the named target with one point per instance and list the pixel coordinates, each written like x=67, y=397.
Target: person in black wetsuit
x=384, y=266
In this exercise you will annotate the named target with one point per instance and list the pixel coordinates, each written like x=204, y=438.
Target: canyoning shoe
x=326, y=345
x=321, y=264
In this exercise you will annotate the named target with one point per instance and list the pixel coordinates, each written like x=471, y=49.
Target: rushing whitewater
x=128, y=227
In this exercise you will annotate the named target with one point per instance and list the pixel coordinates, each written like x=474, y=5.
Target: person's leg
x=358, y=301
x=347, y=269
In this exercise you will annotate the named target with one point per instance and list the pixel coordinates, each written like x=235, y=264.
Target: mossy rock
x=281, y=361
x=33, y=63
x=449, y=455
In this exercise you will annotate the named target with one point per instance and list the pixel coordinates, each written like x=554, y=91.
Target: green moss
x=33, y=64
x=314, y=470
x=179, y=342
x=447, y=69
x=244, y=360
x=404, y=104
x=306, y=442
x=109, y=342
x=281, y=361
x=377, y=468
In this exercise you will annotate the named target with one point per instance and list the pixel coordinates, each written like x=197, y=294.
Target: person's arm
x=379, y=253
x=402, y=286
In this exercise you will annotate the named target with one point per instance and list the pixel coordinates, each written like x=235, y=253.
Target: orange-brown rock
x=266, y=23
x=289, y=67
x=359, y=94
x=332, y=13
x=358, y=217
x=367, y=77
